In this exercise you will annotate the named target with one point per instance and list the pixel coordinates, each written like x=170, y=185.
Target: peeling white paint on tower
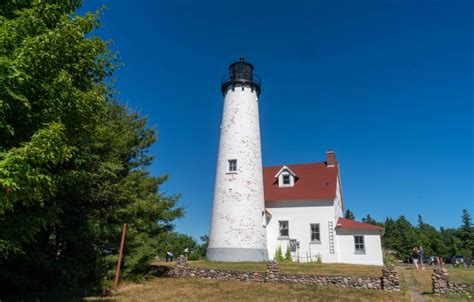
x=237, y=229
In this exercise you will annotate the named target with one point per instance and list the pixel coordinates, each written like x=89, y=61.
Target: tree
x=400, y=235
x=429, y=238
x=466, y=220
x=466, y=234
x=349, y=215
x=370, y=220
x=73, y=161
x=203, y=246
x=177, y=243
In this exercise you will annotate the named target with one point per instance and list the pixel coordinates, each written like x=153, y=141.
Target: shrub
x=279, y=255
x=288, y=254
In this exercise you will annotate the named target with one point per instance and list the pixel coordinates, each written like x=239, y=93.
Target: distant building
x=256, y=210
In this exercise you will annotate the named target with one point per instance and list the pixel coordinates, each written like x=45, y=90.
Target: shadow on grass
x=74, y=293
x=59, y=294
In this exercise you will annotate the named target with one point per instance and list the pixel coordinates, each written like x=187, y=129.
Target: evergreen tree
x=73, y=162
x=400, y=235
x=466, y=234
x=370, y=220
x=349, y=215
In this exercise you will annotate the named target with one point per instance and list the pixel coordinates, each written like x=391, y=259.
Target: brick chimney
x=331, y=158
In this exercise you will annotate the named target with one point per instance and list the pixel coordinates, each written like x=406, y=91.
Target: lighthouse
x=237, y=229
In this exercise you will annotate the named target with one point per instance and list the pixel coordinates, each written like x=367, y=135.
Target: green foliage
x=279, y=255
x=401, y=236
x=288, y=257
x=388, y=258
x=319, y=260
x=369, y=219
x=73, y=162
x=177, y=243
x=349, y=215
x=203, y=246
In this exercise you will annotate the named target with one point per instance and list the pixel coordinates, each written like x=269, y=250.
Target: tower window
x=286, y=179
x=232, y=165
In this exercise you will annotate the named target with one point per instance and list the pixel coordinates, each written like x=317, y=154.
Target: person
x=169, y=255
x=439, y=261
x=414, y=257
x=421, y=257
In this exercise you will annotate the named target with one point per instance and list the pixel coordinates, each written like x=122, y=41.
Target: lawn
x=296, y=268
x=189, y=289
x=424, y=283
x=459, y=274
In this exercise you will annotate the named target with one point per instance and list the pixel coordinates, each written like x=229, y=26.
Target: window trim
x=280, y=236
x=359, y=250
x=291, y=179
x=311, y=233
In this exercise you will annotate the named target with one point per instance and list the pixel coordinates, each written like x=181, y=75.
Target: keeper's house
x=304, y=206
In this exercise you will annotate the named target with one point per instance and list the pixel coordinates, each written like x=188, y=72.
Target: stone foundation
x=442, y=285
x=388, y=282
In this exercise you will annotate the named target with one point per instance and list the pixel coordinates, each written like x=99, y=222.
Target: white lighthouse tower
x=237, y=229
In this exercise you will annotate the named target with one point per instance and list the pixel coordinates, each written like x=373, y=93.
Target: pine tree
x=349, y=215
x=370, y=220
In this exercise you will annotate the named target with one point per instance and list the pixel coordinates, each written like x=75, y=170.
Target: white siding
x=373, y=248
x=300, y=214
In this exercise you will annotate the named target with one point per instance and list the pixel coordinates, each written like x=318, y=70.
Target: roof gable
x=315, y=181
x=285, y=168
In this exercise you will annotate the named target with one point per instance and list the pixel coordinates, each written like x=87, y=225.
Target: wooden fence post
x=119, y=262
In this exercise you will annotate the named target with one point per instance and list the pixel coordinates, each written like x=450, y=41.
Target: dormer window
x=285, y=177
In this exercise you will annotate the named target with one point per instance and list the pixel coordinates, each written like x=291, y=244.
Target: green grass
x=296, y=268
x=190, y=289
x=464, y=275
x=424, y=283
x=334, y=269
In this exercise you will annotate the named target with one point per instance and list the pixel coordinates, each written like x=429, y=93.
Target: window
x=286, y=177
x=315, y=236
x=359, y=244
x=283, y=228
x=232, y=165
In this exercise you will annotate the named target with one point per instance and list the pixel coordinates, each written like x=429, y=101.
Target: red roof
x=314, y=181
x=345, y=223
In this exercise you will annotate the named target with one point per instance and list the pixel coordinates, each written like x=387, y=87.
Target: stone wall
x=389, y=281
x=442, y=285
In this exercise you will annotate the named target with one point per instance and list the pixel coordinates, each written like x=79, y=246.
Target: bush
x=279, y=255
x=288, y=254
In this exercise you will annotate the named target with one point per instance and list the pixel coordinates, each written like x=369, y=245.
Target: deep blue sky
x=387, y=84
